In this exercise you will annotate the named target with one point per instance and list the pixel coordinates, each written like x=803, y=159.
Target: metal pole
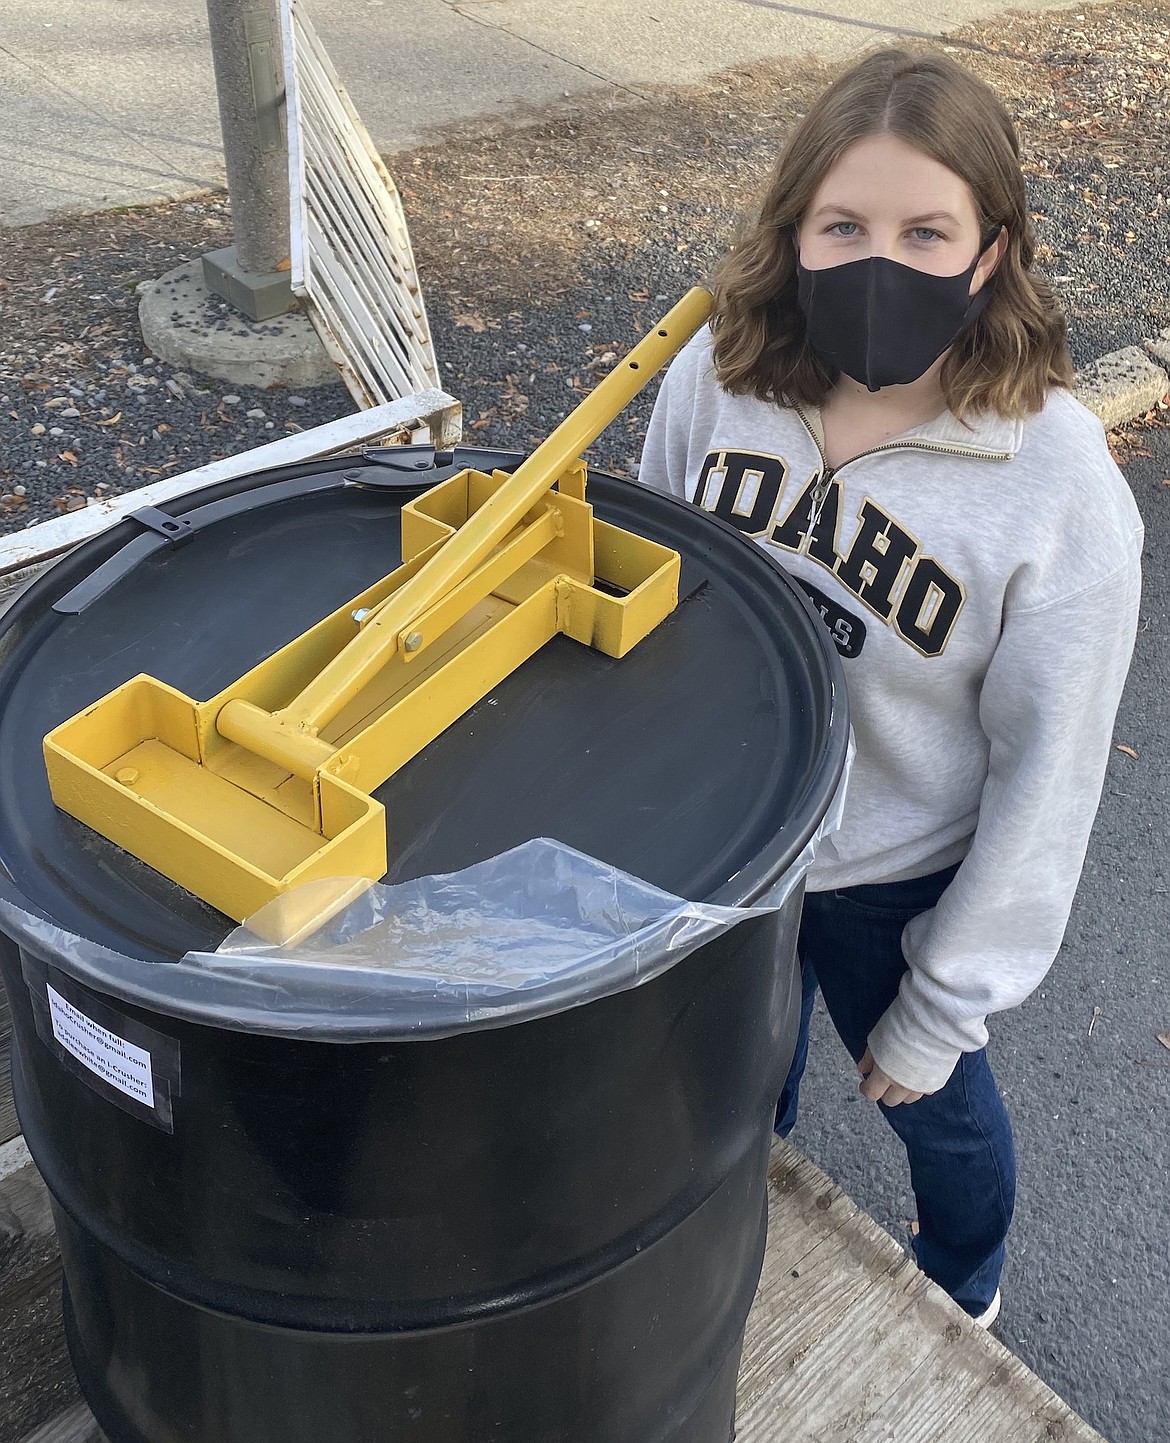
x=245, y=51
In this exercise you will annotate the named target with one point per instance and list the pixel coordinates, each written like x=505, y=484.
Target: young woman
x=882, y=402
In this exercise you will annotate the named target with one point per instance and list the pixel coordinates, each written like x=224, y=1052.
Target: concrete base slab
x=188, y=326
x=1122, y=385
x=259, y=297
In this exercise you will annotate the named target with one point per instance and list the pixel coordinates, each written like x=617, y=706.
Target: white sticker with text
x=110, y=1057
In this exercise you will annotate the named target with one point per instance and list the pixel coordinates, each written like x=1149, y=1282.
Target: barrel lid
x=701, y=762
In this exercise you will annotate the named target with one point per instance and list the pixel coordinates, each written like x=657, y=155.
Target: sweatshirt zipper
x=829, y=473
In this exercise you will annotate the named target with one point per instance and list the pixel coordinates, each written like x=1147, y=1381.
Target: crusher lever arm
x=286, y=734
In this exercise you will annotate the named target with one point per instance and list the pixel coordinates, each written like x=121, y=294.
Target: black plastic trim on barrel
x=177, y=527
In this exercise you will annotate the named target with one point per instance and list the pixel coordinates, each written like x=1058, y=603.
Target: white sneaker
x=989, y=1314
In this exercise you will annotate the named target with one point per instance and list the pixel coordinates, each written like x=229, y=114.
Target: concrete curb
x=1125, y=384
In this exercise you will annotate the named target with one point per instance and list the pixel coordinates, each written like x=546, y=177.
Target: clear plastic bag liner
x=528, y=933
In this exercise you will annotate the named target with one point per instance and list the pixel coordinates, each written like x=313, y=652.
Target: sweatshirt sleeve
x=1047, y=706
x=667, y=447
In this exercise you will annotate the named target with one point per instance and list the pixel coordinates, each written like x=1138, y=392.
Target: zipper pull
x=820, y=492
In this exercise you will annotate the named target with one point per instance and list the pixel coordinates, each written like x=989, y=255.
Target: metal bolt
x=361, y=613
x=413, y=641
x=127, y=776
x=352, y=475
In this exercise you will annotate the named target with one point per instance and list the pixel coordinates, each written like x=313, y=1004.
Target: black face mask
x=883, y=323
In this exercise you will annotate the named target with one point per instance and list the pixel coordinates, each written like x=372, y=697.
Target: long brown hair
x=1015, y=350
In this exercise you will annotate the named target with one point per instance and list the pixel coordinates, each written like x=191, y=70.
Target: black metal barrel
x=323, y=1231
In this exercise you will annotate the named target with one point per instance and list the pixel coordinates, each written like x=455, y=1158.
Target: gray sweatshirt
x=981, y=583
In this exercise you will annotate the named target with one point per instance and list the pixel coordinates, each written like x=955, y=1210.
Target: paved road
x=1087, y=1286
x=108, y=103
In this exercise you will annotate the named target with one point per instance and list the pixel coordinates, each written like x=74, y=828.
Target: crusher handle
x=350, y=670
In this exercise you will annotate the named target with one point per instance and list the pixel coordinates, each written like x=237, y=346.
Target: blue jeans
x=959, y=1139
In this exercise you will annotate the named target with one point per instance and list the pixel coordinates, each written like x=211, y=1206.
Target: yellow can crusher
x=244, y=798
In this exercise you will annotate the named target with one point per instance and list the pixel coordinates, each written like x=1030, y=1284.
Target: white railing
x=352, y=262
x=430, y=414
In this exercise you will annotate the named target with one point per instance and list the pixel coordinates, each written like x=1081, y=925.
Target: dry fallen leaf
x=470, y=322
x=69, y=456
x=1129, y=751
x=1164, y=1039
x=113, y=421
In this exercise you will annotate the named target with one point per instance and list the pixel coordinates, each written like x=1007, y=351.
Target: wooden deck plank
x=829, y=1389
x=861, y=1347
x=796, y=1311
x=972, y=1387
x=35, y=1378
x=819, y=1262
x=75, y=1426
x=9, y=1127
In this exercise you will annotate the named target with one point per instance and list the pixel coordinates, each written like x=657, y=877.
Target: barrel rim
x=245, y=493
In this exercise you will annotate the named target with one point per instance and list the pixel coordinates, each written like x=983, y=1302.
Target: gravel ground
x=545, y=249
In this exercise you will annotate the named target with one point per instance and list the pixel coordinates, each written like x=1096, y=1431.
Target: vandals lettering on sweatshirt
x=847, y=630
x=885, y=566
